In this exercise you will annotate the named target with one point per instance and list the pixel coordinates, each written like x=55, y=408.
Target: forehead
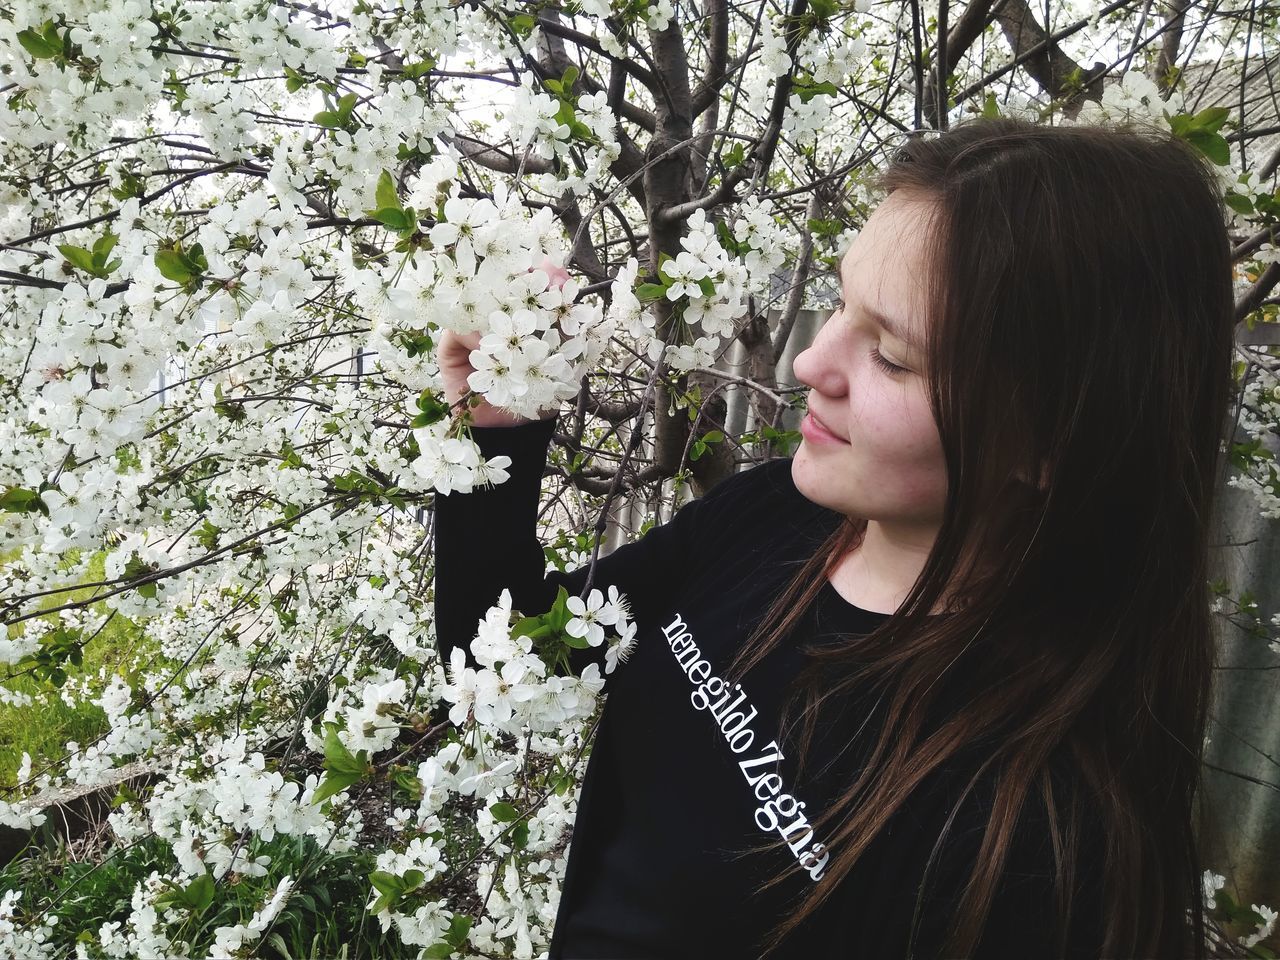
x=882, y=270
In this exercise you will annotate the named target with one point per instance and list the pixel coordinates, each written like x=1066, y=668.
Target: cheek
x=899, y=435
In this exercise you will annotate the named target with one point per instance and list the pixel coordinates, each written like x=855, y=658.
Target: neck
x=878, y=574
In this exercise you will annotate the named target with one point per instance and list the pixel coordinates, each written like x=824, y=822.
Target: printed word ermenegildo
x=778, y=810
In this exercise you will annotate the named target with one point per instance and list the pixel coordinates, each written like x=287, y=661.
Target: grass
x=43, y=727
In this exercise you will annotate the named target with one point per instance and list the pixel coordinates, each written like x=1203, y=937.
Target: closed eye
x=876, y=356
x=890, y=368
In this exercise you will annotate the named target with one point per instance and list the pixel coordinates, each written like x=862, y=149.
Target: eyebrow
x=895, y=329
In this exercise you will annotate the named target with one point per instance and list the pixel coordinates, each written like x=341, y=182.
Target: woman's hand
x=454, y=358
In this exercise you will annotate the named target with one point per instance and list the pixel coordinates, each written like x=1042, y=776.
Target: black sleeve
x=487, y=539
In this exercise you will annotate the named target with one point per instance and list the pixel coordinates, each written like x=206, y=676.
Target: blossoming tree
x=230, y=236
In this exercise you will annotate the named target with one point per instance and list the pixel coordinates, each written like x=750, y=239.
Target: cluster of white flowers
x=773, y=53
x=1212, y=882
x=370, y=723
x=1134, y=97
x=203, y=816
x=388, y=611
x=512, y=690
x=145, y=933
x=520, y=910
x=703, y=258
x=132, y=731
x=25, y=814
x=24, y=941
x=806, y=119
x=227, y=941
x=1258, y=415
x=579, y=180
x=1265, y=928
x=758, y=225
x=534, y=124
x=450, y=463
x=658, y=15
x=834, y=56
x=425, y=926
x=71, y=109
x=24, y=641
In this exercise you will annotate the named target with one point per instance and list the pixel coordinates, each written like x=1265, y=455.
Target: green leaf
x=1212, y=145
x=393, y=217
x=179, y=90
x=1211, y=119
x=433, y=409
x=459, y=927
x=1239, y=203
x=565, y=113
x=40, y=46
x=522, y=24
x=200, y=892
x=385, y=882
x=130, y=186
x=439, y=951
x=825, y=228
x=171, y=267
x=807, y=90
x=420, y=69
x=504, y=812
x=277, y=941
x=334, y=783
x=342, y=769
x=78, y=257
x=527, y=626
x=387, y=198
x=103, y=246
x=651, y=291
x=21, y=500
x=327, y=118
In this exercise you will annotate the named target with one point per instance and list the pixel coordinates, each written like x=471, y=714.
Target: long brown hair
x=1081, y=324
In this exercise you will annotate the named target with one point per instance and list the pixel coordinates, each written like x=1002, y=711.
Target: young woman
x=978, y=588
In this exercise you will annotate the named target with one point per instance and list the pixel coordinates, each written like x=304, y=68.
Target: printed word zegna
x=777, y=808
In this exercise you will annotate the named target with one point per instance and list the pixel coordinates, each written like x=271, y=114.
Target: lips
x=822, y=423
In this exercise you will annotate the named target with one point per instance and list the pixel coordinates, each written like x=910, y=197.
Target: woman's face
x=887, y=465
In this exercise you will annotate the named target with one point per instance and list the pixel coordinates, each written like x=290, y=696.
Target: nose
x=816, y=366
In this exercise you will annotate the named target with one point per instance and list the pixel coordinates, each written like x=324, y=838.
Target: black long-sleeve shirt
x=681, y=775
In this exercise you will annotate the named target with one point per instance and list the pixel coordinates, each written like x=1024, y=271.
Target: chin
x=802, y=476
